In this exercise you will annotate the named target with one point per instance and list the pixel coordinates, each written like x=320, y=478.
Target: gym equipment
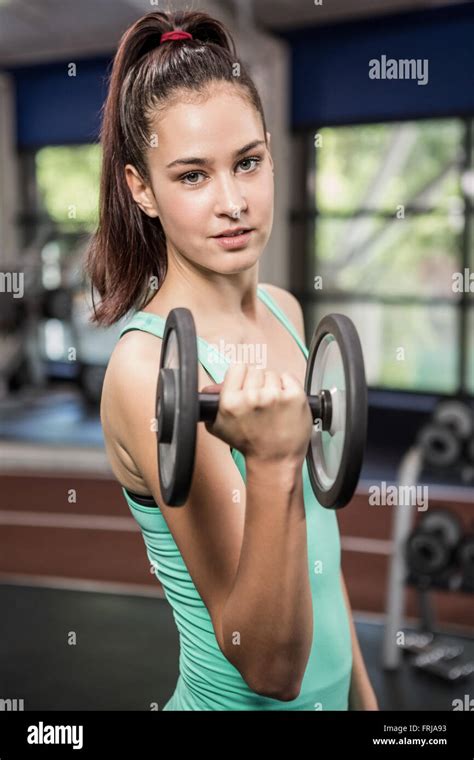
x=465, y=560
x=439, y=659
x=452, y=579
x=336, y=449
x=445, y=662
x=436, y=653
x=447, y=670
x=457, y=416
x=440, y=446
x=415, y=643
x=430, y=549
x=435, y=552
x=449, y=433
x=337, y=395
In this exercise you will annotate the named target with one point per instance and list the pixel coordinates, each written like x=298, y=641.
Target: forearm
x=270, y=606
x=361, y=695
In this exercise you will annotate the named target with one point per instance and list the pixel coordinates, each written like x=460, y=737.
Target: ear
x=142, y=194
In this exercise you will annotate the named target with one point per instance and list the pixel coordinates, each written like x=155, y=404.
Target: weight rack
x=409, y=473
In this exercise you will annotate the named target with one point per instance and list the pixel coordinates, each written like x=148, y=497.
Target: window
x=65, y=209
x=389, y=225
x=68, y=180
x=64, y=213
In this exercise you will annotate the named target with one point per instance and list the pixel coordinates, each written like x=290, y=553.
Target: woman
x=251, y=562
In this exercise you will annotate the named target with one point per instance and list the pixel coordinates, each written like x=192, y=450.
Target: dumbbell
x=443, y=439
x=440, y=659
x=416, y=642
x=444, y=661
x=337, y=395
x=430, y=549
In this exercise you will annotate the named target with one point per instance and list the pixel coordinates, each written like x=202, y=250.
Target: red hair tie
x=176, y=34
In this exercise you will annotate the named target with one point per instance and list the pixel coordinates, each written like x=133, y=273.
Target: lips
x=234, y=233
x=232, y=242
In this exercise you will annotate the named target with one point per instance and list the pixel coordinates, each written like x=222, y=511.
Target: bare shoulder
x=133, y=348
x=135, y=351
x=132, y=371
x=129, y=392
x=289, y=304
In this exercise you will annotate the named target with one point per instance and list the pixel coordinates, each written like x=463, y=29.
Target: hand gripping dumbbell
x=337, y=396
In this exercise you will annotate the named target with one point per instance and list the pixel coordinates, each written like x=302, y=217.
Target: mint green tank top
x=207, y=680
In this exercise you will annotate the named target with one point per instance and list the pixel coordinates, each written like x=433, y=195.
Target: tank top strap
x=273, y=306
x=213, y=362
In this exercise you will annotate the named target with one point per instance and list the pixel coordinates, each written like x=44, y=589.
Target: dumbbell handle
x=320, y=405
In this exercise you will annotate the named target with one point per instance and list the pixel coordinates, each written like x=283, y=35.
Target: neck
x=220, y=296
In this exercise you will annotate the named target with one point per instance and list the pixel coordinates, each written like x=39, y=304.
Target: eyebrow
x=207, y=161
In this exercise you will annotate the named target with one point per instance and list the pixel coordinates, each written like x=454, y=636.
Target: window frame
x=306, y=214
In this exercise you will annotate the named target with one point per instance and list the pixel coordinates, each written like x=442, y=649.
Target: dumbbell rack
x=409, y=472
x=403, y=517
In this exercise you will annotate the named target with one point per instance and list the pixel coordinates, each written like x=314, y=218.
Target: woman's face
x=231, y=185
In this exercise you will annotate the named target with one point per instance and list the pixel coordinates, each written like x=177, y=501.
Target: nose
x=229, y=198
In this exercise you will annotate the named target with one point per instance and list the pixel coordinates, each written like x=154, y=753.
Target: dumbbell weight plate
x=457, y=416
x=335, y=363
x=180, y=362
x=430, y=547
x=425, y=554
x=442, y=523
x=439, y=445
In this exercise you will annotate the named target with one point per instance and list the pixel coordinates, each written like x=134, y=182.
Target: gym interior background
x=374, y=168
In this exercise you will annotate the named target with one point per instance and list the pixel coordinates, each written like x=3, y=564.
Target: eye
x=255, y=159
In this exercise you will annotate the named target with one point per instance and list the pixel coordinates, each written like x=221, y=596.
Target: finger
x=272, y=380
x=290, y=382
x=234, y=377
x=212, y=388
x=255, y=378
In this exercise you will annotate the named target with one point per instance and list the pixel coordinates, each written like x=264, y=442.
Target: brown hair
x=129, y=247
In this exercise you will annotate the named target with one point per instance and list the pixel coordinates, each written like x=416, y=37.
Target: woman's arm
x=361, y=695
x=270, y=603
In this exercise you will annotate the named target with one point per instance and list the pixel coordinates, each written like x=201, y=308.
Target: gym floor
x=126, y=654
